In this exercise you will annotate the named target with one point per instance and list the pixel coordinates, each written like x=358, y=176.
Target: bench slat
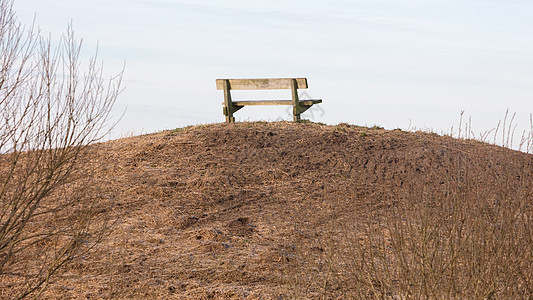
x=275, y=102
x=262, y=83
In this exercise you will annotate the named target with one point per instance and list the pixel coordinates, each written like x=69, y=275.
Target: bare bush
x=50, y=112
x=448, y=221
x=468, y=239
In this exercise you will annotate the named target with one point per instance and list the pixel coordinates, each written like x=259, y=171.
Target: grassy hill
x=286, y=210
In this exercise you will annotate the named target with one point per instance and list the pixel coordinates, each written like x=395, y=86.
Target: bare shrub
x=463, y=241
x=51, y=111
x=450, y=222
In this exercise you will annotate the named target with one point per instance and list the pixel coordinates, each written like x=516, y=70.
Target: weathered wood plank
x=228, y=105
x=295, y=100
x=275, y=102
x=262, y=83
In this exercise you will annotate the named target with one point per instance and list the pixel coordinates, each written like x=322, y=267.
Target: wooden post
x=295, y=101
x=228, y=104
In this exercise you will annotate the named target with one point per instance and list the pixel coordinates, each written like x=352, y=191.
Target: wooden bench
x=298, y=106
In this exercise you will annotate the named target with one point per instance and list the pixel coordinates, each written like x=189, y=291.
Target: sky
x=411, y=64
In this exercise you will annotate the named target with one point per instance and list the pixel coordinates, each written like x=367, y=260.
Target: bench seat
x=275, y=102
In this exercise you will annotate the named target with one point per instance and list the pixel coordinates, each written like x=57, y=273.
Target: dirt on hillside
x=226, y=211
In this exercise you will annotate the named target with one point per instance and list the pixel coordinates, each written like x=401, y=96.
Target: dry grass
x=453, y=220
x=283, y=210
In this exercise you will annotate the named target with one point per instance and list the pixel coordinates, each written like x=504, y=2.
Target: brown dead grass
x=267, y=210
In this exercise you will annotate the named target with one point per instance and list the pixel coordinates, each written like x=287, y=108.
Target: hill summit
x=301, y=210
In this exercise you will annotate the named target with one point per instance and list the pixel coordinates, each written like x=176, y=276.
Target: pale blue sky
x=384, y=62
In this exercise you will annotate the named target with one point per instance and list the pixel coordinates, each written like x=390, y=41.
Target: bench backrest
x=262, y=83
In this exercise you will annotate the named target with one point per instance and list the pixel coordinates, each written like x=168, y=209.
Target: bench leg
x=230, y=119
x=229, y=111
x=228, y=104
x=296, y=118
x=295, y=101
